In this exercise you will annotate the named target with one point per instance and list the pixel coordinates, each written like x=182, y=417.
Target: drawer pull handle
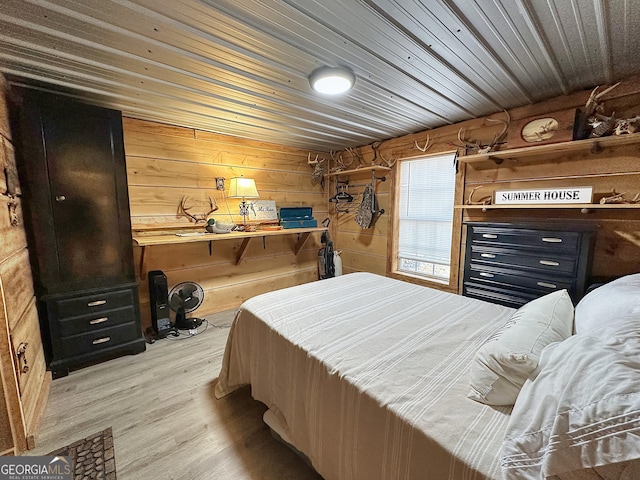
x=487, y=255
x=551, y=240
x=489, y=235
x=548, y=285
x=488, y=275
x=98, y=341
x=96, y=321
x=549, y=263
x=96, y=303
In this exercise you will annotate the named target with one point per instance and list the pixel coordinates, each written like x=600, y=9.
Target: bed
x=368, y=377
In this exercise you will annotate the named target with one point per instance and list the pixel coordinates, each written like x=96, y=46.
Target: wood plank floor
x=166, y=421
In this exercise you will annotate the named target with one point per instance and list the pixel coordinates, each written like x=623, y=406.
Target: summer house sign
x=543, y=196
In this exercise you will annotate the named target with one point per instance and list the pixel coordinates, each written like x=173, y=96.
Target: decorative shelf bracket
x=302, y=237
x=242, y=249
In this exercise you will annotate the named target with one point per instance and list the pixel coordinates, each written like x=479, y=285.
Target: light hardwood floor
x=166, y=421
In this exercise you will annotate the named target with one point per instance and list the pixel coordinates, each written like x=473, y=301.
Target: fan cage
x=181, y=310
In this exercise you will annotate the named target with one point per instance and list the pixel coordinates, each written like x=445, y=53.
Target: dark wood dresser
x=512, y=264
x=78, y=225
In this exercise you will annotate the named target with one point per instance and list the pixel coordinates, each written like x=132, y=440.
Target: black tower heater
x=159, y=297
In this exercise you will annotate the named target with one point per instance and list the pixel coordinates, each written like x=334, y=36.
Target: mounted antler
x=355, y=154
x=619, y=198
x=593, y=103
x=627, y=125
x=474, y=145
x=339, y=162
x=199, y=217
x=582, y=127
x=314, y=161
x=427, y=145
x=499, y=136
x=377, y=154
x=486, y=200
x=318, y=167
x=468, y=144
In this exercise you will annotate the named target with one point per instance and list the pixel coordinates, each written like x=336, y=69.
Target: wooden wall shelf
x=172, y=239
x=590, y=145
x=574, y=206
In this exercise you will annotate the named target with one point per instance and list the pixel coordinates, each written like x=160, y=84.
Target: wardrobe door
x=76, y=192
x=81, y=169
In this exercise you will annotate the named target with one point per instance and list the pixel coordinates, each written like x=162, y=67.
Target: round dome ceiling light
x=332, y=80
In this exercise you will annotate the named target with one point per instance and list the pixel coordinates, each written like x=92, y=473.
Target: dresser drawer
x=518, y=237
x=92, y=303
x=543, y=260
x=513, y=278
x=99, y=339
x=506, y=297
x=96, y=321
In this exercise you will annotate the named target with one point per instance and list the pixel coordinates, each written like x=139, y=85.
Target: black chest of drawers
x=512, y=264
x=92, y=325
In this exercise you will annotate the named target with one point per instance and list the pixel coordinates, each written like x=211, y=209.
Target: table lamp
x=240, y=187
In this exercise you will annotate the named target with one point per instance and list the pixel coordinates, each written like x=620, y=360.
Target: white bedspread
x=581, y=411
x=369, y=377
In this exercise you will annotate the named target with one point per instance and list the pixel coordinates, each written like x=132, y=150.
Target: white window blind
x=427, y=187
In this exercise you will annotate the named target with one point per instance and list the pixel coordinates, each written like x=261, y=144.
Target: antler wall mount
x=186, y=205
x=476, y=146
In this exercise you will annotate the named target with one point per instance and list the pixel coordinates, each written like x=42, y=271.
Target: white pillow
x=605, y=306
x=504, y=362
x=581, y=411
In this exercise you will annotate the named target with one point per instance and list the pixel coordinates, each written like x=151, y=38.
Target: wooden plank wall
x=361, y=249
x=370, y=249
x=617, y=249
x=10, y=237
x=165, y=163
x=24, y=392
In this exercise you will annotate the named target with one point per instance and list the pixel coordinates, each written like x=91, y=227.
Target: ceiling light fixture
x=332, y=80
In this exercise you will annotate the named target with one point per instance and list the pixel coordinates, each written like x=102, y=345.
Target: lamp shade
x=332, y=80
x=240, y=187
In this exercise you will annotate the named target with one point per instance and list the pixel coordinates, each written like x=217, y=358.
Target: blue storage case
x=297, y=217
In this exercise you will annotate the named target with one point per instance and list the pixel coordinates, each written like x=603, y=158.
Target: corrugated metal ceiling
x=240, y=67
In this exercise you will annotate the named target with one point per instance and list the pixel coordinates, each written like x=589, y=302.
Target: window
x=425, y=216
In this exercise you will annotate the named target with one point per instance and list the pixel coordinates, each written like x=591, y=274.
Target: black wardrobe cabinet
x=73, y=172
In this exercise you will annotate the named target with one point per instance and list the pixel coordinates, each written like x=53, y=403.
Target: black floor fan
x=184, y=298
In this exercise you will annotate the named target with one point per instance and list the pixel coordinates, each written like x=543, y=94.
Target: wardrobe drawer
x=92, y=303
x=96, y=321
x=99, y=340
x=544, y=261
x=551, y=240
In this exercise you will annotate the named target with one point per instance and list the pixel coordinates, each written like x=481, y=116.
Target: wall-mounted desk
x=172, y=239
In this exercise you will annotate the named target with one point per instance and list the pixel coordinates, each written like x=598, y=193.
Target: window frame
x=456, y=235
